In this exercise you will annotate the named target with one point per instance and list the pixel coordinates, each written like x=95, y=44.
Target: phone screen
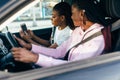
x=24, y=28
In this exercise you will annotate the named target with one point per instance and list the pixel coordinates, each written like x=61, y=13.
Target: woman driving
x=70, y=50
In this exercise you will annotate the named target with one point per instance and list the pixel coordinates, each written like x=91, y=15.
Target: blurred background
x=35, y=18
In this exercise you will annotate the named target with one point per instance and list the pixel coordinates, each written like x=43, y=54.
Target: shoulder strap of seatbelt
x=53, y=34
x=85, y=40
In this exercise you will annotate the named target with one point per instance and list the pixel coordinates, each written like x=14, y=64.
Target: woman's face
x=56, y=18
x=76, y=16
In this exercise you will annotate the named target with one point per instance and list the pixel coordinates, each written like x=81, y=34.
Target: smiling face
x=56, y=19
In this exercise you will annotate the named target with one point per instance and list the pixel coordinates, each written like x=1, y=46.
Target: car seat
x=111, y=13
x=113, y=10
x=116, y=36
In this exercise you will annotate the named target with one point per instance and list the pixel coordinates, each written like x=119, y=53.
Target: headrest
x=113, y=8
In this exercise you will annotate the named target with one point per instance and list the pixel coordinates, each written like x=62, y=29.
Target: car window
x=37, y=17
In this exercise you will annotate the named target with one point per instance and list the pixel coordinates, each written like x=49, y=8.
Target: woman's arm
x=30, y=37
x=26, y=56
x=41, y=41
x=59, y=52
x=42, y=56
x=46, y=61
x=53, y=46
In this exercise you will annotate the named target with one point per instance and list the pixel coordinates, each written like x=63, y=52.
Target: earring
x=84, y=11
x=84, y=21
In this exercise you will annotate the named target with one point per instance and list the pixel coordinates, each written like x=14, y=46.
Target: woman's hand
x=23, y=43
x=23, y=55
x=31, y=34
x=54, y=45
x=27, y=36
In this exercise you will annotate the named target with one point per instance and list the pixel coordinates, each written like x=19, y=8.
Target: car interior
x=8, y=41
x=111, y=11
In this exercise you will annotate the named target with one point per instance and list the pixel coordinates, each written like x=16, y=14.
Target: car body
x=104, y=67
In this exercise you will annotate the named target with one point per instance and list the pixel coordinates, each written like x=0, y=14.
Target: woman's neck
x=88, y=24
x=61, y=27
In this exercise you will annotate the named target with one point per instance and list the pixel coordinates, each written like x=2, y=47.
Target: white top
x=62, y=35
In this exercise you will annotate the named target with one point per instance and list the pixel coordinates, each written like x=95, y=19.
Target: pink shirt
x=48, y=56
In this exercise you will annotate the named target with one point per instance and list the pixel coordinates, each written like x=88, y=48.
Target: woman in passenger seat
x=61, y=19
x=70, y=50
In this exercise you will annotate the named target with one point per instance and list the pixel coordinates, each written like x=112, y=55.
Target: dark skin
x=24, y=55
x=76, y=16
x=57, y=20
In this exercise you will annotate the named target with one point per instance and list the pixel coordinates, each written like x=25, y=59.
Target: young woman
x=46, y=57
x=61, y=19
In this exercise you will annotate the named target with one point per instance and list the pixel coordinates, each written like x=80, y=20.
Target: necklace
x=59, y=28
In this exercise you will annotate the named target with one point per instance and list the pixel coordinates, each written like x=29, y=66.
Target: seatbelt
x=53, y=34
x=85, y=40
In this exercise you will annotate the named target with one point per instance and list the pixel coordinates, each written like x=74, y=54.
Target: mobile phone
x=24, y=27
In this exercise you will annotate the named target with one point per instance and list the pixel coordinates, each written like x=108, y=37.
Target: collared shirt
x=94, y=47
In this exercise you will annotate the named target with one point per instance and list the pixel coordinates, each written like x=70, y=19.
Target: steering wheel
x=12, y=40
x=8, y=62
